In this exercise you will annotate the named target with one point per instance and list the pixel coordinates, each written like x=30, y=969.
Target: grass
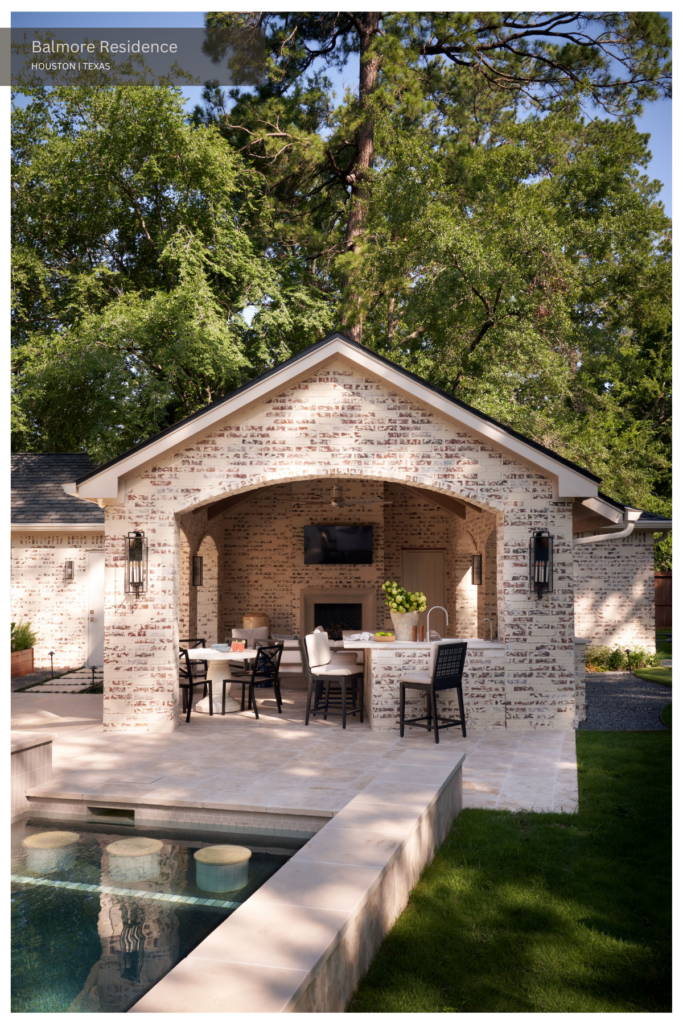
x=654, y=675
x=663, y=646
x=545, y=913
x=666, y=715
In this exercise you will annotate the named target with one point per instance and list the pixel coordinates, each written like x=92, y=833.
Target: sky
x=656, y=119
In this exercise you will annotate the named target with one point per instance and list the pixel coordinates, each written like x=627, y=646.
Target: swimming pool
x=90, y=937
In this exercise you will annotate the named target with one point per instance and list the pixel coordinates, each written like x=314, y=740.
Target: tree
x=132, y=266
x=408, y=61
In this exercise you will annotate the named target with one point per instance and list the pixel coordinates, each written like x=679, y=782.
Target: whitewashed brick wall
x=615, y=591
x=40, y=595
x=337, y=422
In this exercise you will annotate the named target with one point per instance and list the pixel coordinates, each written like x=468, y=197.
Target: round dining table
x=218, y=669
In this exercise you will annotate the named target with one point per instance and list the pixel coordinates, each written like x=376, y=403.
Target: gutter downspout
x=607, y=536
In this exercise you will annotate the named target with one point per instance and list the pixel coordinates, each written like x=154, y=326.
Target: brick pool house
x=236, y=483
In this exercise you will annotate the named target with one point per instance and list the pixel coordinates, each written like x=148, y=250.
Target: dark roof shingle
x=37, y=493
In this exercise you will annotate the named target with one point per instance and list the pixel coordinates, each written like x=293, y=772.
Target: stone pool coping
x=302, y=942
x=31, y=760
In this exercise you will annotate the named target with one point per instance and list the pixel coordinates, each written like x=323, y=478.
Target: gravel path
x=619, y=701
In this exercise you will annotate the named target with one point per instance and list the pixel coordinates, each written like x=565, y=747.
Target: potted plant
x=405, y=608
x=23, y=640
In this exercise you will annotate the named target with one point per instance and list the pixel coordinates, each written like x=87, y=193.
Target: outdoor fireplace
x=336, y=617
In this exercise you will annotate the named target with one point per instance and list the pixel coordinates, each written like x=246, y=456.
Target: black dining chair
x=447, y=669
x=200, y=669
x=345, y=678
x=187, y=683
x=266, y=669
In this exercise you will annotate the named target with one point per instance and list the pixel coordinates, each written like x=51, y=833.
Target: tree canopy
x=476, y=210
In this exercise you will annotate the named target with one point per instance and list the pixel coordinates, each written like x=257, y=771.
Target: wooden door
x=95, y=609
x=663, y=618
x=425, y=570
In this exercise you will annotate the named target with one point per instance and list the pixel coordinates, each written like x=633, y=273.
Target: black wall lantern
x=68, y=572
x=136, y=563
x=197, y=571
x=476, y=570
x=541, y=563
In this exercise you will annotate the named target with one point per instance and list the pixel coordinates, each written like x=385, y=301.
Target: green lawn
x=666, y=715
x=655, y=675
x=663, y=646
x=545, y=913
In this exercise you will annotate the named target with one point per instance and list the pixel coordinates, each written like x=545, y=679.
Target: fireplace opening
x=336, y=617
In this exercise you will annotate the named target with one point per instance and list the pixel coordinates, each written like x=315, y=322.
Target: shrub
x=23, y=636
x=615, y=659
x=401, y=600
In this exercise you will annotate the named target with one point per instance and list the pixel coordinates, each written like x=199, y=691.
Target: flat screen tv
x=337, y=545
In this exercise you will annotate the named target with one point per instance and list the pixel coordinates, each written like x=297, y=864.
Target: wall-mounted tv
x=337, y=545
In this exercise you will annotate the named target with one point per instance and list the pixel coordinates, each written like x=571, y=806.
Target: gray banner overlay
x=135, y=56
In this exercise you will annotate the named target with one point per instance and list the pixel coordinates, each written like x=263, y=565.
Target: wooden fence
x=663, y=600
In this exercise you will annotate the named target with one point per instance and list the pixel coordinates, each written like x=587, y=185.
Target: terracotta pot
x=403, y=624
x=254, y=620
x=22, y=662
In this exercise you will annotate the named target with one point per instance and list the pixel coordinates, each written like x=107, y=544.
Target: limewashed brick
x=337, y=422
x=615, y=591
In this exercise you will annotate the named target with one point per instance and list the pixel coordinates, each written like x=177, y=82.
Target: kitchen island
x=483, y=684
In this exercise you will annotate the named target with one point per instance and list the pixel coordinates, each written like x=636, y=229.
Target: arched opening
x=261, y=568
x=207, y=592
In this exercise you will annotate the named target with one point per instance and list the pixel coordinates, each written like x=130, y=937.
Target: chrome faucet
x=436, y=607
x=490, y=628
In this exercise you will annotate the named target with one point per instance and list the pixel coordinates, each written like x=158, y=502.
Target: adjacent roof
x=644, y=517
x=37, y=493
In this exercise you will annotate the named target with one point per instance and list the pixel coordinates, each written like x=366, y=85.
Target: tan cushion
x=223, y=854
x=318, y=649
x=336, y=670
x=416, y=677
x=51, y=840
x=136, y=846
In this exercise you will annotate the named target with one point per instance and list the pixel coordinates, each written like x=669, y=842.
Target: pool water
x=84, y=942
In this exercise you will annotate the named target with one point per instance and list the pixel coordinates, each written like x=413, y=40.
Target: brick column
x=141, y=636
x=539, y=674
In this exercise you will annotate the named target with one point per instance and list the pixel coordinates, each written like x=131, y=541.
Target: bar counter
x=385, y=662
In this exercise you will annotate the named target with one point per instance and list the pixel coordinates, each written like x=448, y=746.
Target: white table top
x=209, y=654
x=423, y=645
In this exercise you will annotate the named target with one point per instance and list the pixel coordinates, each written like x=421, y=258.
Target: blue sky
x=656, y=120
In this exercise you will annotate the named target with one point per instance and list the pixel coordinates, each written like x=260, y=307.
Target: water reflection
x=139, y=937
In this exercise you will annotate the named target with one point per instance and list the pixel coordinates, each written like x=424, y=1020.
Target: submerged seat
x=447, y=666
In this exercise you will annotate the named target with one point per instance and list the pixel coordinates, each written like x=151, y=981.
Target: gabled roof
x=340, y=344
x=38, y=497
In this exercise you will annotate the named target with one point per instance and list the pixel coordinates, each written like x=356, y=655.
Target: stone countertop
x=425, y=645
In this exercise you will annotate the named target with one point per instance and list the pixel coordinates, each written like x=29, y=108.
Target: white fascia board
x=571, y=484
x=57, y=527
x=604, y=509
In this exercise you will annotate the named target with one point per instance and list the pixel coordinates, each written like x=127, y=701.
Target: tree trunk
x=367, y=25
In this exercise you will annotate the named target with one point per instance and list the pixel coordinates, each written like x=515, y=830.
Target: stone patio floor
x=278, y=763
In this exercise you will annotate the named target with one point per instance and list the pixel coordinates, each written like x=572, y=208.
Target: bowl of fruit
x=383, y=636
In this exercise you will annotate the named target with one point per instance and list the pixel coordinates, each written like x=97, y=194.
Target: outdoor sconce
x=476, y=570
x=68, y=572
x=541, y=563
x=136, y=563
x=197, y=571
